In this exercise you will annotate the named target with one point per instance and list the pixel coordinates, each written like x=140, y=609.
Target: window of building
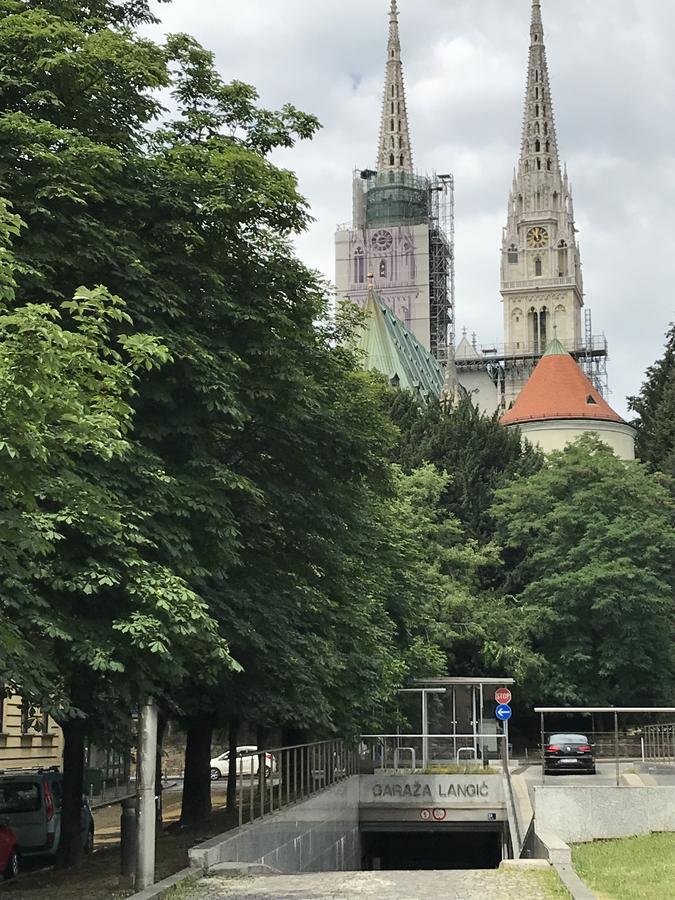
x=549, y=164
x=392, y=161
x=538, y=164
x=392, y=90
x=591, y=399
x=545, y=128
x=537, y=146
x=392, y=107
x=391, y=125
x=537, y=266
x=536, y=110
x=402, y=162
x=512, y=254
x=383, y=268
x=548, y=146
x=360, y=263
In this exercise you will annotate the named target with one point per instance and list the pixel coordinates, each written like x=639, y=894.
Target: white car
x=220, y=765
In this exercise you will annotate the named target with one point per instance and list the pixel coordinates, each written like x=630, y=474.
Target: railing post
x=616, y=747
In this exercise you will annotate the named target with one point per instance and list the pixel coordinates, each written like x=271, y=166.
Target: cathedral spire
x=395, y=152
x=539, y=148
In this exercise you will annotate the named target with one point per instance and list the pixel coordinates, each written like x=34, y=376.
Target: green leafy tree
x=589, y=544
x=655, y=407
x=475, y=449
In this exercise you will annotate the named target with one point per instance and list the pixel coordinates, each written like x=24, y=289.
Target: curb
x=577, y=888
x=164, y=888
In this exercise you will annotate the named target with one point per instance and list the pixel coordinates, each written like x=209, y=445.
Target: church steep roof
x=388, y=347
x=558, y=389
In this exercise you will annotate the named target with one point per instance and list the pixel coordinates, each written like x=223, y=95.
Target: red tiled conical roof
x=558, y=389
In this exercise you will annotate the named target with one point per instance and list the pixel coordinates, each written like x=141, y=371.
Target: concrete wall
x=577, y=814
x=319, y=835
x=556, y=434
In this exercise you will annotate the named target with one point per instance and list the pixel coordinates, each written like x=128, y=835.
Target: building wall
x=482, y=390
x=22, y=747
x=398, y=258
x=558, y=433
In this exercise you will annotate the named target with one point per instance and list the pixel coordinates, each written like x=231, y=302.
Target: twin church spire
x=395, y=152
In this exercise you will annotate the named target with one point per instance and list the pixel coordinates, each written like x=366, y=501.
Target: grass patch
x=458, y=770
x=638, y=868
x=550, y=882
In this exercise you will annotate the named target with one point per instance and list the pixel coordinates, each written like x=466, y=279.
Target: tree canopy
x=655, y=407
x=588, y=545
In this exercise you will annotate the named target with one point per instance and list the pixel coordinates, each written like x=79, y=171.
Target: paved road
x=446, y=885
x=606, y=775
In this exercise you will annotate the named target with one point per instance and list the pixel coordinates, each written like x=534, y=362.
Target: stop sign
x=503, y=695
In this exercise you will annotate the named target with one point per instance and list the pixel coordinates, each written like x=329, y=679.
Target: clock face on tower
x=381, y=240
x=537, y=237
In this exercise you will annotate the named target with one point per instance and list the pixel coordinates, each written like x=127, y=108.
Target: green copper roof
x=388, y=347
x=555, y=348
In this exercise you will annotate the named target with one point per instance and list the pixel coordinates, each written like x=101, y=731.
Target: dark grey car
x=569, y=753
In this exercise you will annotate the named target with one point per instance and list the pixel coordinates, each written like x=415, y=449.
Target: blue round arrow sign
x=503, y=712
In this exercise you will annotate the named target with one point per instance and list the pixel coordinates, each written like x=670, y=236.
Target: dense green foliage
x=589, y=550
x=655, y=406
x=476, y=449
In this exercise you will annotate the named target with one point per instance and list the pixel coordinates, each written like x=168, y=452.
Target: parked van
x=30, y=803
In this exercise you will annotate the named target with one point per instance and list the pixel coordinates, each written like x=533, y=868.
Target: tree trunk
x=232, y=766
x=161, y=728
x=71, y=844
x=197, y=781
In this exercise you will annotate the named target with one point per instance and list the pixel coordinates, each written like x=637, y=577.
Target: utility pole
x=147, y=817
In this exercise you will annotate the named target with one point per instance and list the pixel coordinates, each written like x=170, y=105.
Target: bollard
x=128, y=843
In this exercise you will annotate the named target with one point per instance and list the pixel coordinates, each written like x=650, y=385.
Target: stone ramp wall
x=577, y=814
x=320, y=834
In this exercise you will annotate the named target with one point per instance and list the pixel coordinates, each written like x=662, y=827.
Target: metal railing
x=274, y=779
x=659, y=743
x=427, y=751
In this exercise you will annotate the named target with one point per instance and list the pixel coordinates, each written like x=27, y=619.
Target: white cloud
x=613, y=79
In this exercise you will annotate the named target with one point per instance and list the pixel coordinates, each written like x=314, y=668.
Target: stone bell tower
x=541, y=281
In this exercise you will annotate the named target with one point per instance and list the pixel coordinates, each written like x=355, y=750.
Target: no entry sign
x=503, y=695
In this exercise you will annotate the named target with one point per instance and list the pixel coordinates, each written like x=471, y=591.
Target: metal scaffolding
x=387, y=199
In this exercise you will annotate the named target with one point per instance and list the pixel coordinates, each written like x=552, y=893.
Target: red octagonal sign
x=503, y=695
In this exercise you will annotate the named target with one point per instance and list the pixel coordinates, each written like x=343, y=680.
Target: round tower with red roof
x=559, y=403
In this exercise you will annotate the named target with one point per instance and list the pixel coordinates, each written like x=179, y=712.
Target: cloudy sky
x=613, y=80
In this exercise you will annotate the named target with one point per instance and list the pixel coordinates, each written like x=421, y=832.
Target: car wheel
x=12, y=867
x=215, y=774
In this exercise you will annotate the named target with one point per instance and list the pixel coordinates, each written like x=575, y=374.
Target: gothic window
x=392, y=124
x=536, y=74
x=359, y=266
x=538, y=164
x=537, y=266
x=392, y=143
x=555, y=199
x=401, y=159
x=545, y=127
x=549, y=164
x=400, y=143
x=399, y=124
x=562, y=259
x=543, y=324
x=392, y=161
x=543, y=109
x=392, y=90
x=536, y=93
x=537, y=146
x=398, y=108
x=536, y=127
x=536, y=110
x=383, y=268
x=392, y=107
x=548, y=146
x=512, y=254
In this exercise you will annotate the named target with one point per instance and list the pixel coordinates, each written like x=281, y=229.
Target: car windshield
x=19, y=797
x=568, y=739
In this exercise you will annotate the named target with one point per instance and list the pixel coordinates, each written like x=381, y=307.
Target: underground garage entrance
x=430, y=847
